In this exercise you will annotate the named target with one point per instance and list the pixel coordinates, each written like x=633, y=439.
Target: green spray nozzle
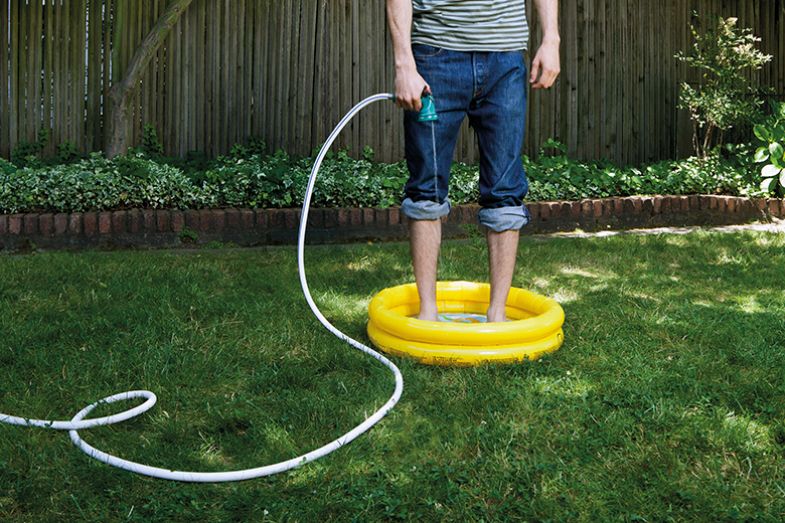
x=428, y=111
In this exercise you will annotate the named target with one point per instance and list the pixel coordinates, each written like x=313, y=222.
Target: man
x=468, y=54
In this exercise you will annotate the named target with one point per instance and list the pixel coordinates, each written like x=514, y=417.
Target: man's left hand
x=545, y=67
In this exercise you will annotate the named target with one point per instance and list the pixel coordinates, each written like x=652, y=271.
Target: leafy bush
x=248, y=177
x=7, y=167
x=96, y=183
x=28, y=153
x=557, y=177
x=726, y=97
x=67, y=153
x=772, y=153
x=151, y=145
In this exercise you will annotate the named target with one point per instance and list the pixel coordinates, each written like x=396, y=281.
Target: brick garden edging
x=247, y=227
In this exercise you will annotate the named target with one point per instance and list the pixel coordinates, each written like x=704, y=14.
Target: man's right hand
x=410, y=88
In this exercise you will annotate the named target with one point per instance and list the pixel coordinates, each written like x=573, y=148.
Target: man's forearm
x=409, y=85
x=399, y=19
x=548, y=11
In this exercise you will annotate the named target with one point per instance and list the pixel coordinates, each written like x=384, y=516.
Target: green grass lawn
x=666, y=401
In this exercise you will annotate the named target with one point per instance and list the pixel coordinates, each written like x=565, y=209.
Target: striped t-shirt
x=471, y=25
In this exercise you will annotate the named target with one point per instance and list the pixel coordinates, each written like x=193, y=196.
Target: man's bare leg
x=425, y=239
x=502, y=252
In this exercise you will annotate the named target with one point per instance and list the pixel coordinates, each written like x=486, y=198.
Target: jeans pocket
x=426, y=51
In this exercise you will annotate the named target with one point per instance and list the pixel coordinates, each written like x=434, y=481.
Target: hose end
x=428, y=111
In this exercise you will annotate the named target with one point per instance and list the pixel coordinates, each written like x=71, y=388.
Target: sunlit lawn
x=666, y=401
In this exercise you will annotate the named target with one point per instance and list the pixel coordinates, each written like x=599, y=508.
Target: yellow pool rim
x=535, y=329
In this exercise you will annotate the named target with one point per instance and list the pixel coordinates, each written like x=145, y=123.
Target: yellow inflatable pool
x=462, y=337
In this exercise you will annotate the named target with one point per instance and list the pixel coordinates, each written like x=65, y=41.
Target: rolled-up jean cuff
x=505, y=218
x=425, y=209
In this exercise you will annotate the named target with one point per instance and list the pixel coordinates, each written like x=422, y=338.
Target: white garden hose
x=79, y=422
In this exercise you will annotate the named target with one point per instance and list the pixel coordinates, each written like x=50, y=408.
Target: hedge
x=251, y=178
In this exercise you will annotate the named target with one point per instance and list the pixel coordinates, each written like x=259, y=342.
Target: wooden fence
x=287, y=70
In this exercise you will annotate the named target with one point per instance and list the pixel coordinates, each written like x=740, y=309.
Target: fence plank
x=51, y=70
x=107, y=55
x=267, y=78
x=66, y=72
x=138, y=9
x=247, y=52
x=15, y=95
x=223, y=88
x=37, y=52
x=5, y=110
x=94, y=40
x=211, y=21
x=71, y=70
x=185, y=80
x=146, y=9
x=82, y=84
x=25, y=127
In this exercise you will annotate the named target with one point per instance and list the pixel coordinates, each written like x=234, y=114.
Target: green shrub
x=27, y=154
x=558, y=177
x=248, y=177
x=7, y=167
x=725, y=97
x=96, y=183
x=67, y=152
x=771, y=133
x=151, y=145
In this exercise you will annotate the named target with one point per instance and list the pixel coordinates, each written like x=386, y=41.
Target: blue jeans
x=489, y=87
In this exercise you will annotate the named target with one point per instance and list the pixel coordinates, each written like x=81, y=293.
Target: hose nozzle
x=428, y=111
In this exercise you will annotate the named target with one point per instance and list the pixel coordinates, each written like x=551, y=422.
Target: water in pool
x=462, y=317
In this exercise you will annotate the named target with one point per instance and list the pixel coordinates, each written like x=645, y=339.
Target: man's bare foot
x=428, y=314
x=496, y=315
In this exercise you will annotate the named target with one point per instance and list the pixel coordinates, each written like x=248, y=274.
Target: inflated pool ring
x=534, y=329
